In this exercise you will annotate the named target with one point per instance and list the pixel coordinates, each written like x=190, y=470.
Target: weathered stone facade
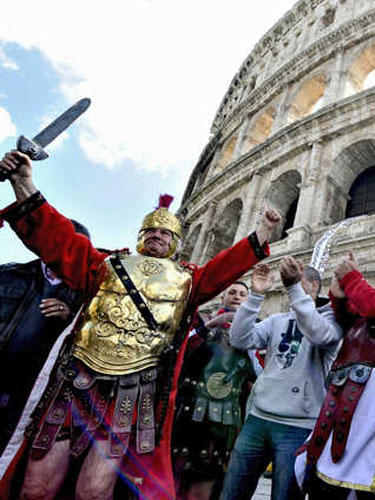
x=295, y=129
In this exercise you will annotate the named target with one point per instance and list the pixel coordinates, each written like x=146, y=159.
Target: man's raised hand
x=19, y=167
x=262, y=279
x=290, y=271
x=345, y=265
x=336, y=289
x=270, y=219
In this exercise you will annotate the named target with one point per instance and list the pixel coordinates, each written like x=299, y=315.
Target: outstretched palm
x=262, y=279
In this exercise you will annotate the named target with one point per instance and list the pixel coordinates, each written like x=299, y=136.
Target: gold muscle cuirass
x=114, y=338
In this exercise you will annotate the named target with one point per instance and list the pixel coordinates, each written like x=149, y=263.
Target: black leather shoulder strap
x=133, y=292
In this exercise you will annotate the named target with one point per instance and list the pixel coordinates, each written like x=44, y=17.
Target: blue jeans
x=259, y=442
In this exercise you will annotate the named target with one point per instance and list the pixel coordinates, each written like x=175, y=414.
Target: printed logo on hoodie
x=289, y=346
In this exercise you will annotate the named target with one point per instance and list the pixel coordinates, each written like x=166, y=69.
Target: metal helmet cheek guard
x=163, y=219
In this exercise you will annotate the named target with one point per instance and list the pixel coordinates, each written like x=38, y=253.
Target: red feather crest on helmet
x=165, y=201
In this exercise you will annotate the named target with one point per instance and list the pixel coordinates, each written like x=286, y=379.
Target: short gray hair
x=312, y=275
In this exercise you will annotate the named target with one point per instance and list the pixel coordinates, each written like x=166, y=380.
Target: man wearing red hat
x=111, y=395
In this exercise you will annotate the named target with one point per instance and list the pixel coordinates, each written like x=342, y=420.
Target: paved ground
x=263, y=492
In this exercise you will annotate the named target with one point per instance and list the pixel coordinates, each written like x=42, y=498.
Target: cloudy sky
x=155, y=70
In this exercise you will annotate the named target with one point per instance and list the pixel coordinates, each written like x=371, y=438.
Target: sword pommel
x=30, y=148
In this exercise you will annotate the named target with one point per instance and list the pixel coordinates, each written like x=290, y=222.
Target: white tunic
x=356, y=468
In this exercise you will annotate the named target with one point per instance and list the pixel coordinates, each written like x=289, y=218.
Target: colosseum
x=296, y=129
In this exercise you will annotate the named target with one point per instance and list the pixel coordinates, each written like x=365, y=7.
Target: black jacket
x=22, y=287
x=26, y=336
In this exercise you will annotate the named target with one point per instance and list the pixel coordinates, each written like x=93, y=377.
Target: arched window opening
x=308, y=99
x=289, y=218
x=227, y=154
x=283, y=194
x=370, y=80
x=224, y=231
x=362, y=194
x=351, y=165
x=317, y=105
x=190, y=243
x=361, y=73
x=260, y=131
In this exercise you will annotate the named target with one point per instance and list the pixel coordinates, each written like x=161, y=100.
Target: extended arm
x=230, y=264
x=320, y=329
x=225, y=268
x=345, y=311
x=358, y=292
x=245, y=333
x=46, y=232
x=52, y=236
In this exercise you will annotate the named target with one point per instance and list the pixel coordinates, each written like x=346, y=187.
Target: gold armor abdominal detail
x=114, y=338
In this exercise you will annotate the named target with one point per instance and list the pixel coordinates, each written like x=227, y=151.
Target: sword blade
x=62, y=122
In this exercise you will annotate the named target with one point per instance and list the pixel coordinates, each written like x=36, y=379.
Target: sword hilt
x=29, y=148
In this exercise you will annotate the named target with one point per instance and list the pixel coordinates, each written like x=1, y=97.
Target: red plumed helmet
x=165, y=201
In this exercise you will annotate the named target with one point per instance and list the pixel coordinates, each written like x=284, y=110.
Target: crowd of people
x=114, y=385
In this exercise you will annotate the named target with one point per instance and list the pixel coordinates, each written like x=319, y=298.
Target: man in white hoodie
x=286, y=398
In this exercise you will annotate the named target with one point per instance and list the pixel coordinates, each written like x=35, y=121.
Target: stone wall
x=295, y=129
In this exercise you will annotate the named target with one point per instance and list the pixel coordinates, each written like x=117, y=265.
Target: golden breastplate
x=114, y=338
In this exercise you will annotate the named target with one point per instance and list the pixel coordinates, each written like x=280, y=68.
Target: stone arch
x=362, y=194
x=260, y=130
x=283, y=194
x=308, y=99
x=226, y=154
x=224, y=231
x=361, y=73
x=347, y=166
x=190, y=242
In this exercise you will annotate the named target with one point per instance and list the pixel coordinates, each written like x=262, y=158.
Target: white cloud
x=156, y=71
x=100, y=151
x=7, y=127
x=6, y=62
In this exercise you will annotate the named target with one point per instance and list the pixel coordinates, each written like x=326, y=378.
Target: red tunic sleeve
x=345, y=311
x=72, y=256
x=359, y=293
x=224, y=269
x=53, y=238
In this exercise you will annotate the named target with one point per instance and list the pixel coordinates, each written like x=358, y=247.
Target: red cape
x=72, y=256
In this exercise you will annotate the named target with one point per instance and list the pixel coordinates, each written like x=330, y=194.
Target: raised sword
x=34, y=148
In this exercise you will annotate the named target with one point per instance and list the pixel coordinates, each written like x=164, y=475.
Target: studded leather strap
x=133, y=292
x=337, y=412
x=350, y=396
x=87, y=418
x=146, y=416
x=53, y=422
x=122, y=418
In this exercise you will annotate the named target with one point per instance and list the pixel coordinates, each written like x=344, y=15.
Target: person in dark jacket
x=35, y=306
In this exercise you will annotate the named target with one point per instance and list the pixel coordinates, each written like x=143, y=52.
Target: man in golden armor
x=111, y=394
